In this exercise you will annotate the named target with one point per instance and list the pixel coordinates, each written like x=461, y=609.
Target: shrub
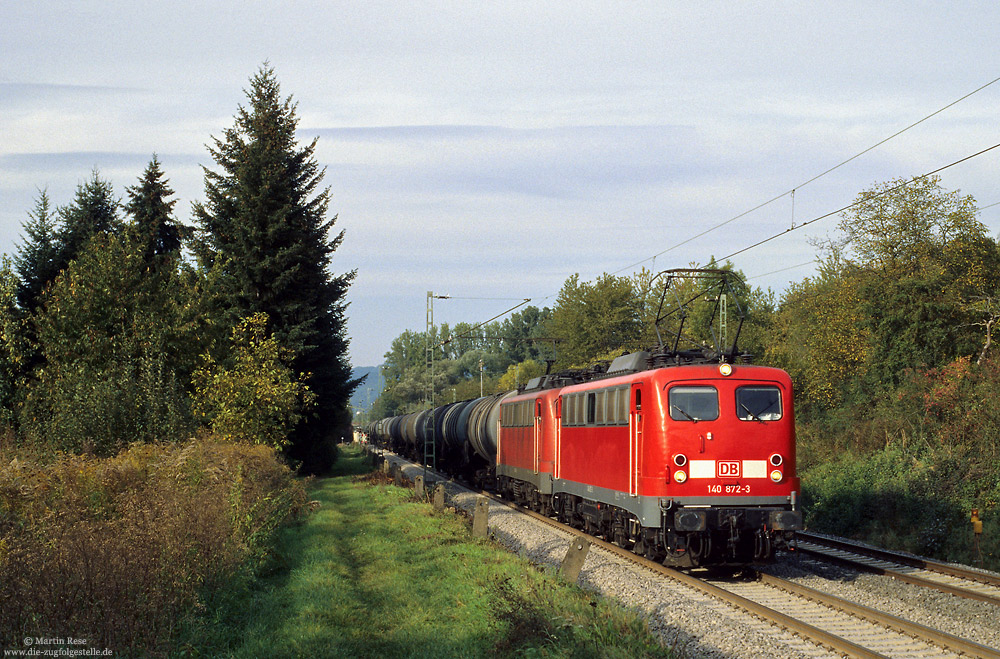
x=116, y=550
x=114, y=345
x=257, y=399
x=915, y=498
x=75, y=407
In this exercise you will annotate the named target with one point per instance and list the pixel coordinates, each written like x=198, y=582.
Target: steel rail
x=815, y=634
x=896, y=557
x=914, y=580
x=922, y=632
x=929, y=634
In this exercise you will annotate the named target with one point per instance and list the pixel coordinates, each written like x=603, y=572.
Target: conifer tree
x=37, y=256
x=14, y=349
x=94, y=210
x=157, y=233
x=264, y=223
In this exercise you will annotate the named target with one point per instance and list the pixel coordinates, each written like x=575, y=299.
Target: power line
x=774, y=272
x=897, y=133
x=853, y=204
x=768, y=202
x=475, y=327
x=459, y=297
x=814, y=178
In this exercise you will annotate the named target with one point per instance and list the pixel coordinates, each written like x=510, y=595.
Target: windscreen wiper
x=690, y=418
x=752, y=415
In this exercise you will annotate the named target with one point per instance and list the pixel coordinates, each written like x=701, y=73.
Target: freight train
x=685, y=456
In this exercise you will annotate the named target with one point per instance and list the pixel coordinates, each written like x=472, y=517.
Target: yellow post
x=977, y=525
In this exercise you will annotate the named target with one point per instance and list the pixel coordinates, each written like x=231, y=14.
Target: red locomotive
x=683, y=456
x=693, y=464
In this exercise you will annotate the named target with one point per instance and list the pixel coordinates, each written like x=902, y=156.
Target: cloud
x=84, y=160
x=561, y=162
x=17, y=94
x=505, y=146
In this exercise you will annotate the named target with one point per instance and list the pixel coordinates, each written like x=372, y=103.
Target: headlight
x=680, y=476
x=725, y=369
x=776, y=475
x=776, y=460
x=680, y=460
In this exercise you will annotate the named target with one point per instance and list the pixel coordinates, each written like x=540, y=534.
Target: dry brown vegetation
x=118, y=550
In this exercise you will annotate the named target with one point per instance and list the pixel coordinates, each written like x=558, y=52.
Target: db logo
x=729, y=469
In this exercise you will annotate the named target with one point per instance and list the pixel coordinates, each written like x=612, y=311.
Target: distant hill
x=367, y=391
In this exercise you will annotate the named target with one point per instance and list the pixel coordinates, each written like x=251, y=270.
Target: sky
x=489, y=150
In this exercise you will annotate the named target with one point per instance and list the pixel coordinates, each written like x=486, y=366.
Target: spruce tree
x=94, y=210
x=155, y=230
x=264, y=223
x=37, y=256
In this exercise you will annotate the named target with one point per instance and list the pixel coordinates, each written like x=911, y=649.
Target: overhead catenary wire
x=472, y=329
x=811, y=180
x=459, y=297
x=794, y=227
x=855, y=203
x=791, y=192
x=774, y=272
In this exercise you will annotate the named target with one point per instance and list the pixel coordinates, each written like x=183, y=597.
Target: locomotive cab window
x=571, y=410
x=758, y=403
x=516, y=415
x=694, y=403
x=622, y=417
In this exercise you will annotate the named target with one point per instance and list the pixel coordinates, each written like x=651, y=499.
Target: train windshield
x=694, y=404
x=758, y=403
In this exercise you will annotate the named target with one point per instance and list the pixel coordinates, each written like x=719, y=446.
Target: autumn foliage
x=256, y=399
x=891, y=350
x=119, y=550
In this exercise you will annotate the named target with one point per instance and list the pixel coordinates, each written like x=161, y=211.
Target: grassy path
x=373, y=573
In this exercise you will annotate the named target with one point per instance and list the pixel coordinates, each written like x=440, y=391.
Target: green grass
x=374, y=573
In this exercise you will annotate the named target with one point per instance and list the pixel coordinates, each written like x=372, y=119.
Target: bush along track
x=120, y=551
x=375, y=573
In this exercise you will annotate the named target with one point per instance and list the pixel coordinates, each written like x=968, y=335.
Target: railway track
x=829, y=621
x=952, y=579
x=826, y=621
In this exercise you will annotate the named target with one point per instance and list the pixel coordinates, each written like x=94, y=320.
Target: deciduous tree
x=258, y=398
x=921, y=253
x=904, y=226
x=595, y=320
x=116, y=348
x=13, y=345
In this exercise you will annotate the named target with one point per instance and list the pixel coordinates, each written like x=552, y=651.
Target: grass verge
x=374, y=573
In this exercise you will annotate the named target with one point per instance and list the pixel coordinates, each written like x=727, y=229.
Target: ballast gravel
x=970, y=619
x=697, y=625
